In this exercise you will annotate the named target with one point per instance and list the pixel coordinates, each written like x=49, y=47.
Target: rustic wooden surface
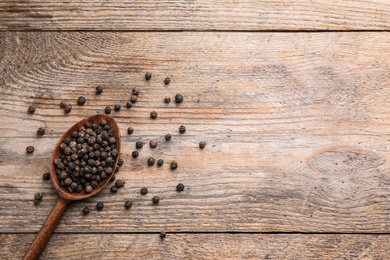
x=296, y=125
x=195, y=15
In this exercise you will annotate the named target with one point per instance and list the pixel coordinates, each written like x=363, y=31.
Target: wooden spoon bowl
x=64, y=196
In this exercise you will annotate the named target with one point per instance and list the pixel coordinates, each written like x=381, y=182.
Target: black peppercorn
x=130, y=130
x=46, y=176
x=153, y=114
x=85, y=211
x=167, y=100
x=114, y=188
x=139, y=144
x=120, y=161
x=180, y=187
x=107, y=110
x=182, y=129
x=167, y=80
x=30, y=149
x=202, y=145
x=133, y=99
x=168, y=137
x=62, y=104
x=112, y=178
x=134, y=154
x=163, y=235
x=88, y=189
x=103, y=123
x=150, y=161
x=38, y=196
x=135, y=91
x=120, y=183
x=153, y=143
x=81, y=100
x=160, y=162
x=67, y=108
x=99, y=90
x=174, y=165
x=128, y=104
x=156, y=199
x=99, y=205
x=117, y=107
x=178, y=98
x=144, y=191
x=128, y=204
x=148, y=75
x=41, y=131
x=31, y=109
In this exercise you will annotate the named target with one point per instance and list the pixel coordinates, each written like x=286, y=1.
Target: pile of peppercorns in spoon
x=88, y=157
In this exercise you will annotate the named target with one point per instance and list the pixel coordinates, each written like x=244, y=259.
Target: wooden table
x=292, y=98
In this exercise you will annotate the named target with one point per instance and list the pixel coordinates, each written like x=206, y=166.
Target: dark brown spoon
x=65, y=197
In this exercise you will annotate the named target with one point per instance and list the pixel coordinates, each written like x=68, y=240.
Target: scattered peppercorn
x=168, y=137
x=31, y=109
x=160, y=162
x=38, y=196
x=151, y=161
x=30, y=149
x=135, y=91
x=139, y=144
x=81, y=100
x=46, y=176
x=100, y=206
x=128, y=104
x=134, y=154
x=99, y=90
x=67, y=108
x=112, y=178
x=107, y=110
x=180, y=187
x=153, y=143
x=120, y=161
x=174, y=165
x=117, y=107
x=133, y=98
x=167, y=80
x=163, y=235
x=202, y=145
x=85, y=211
x=62, y=104
x=41, y=131
x=130, y=130
x=148, y=75
x=128, y=204
x=156, y=199
x=120, y=183
x=114, y=188
x=167, y=100
x=144, y=191
x=178, y=98
x=182, y=129
x=153, y=115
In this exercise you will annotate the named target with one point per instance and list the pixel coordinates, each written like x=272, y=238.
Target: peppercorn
x=148, y=75
x=120, y=183
x=180, y=187
x=117, y=107
x=130, y=130
x=107, y=110
x=156, y=199
x=112, y=178
x=85, y=211
x=162, y=235
x=41, y=131
x=173, y=165
x=81, y=100
x=202, y=145
x=62, y=104
x=153, y=143
x=128, y=204
x=100, y=206
x=178, y=98
x=30, y=149
x=144, y=191
x=46, y=176
x=182, y=129
x=38, y=196
x=67, y=108
x=134, y=154
x=88, y=189
x=139, y=144
x=114, y=188
x=135, y=91
x=150, y=161
x=128, y=104
x=36, y=202
x=168, y=137
x=153, y=114
x=99, y=90
x=167, y=80
x=120, y=161
x=160, y=162
x=133, y=99
x=31, y=109
x=167, y=100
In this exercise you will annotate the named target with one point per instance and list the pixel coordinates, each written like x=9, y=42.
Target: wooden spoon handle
x=44, y=233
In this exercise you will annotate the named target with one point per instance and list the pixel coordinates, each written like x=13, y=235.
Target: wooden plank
x=201, y=246
x=296, y=125
x=195, y=15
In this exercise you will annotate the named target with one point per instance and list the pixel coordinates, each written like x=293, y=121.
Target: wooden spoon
x=64, y=196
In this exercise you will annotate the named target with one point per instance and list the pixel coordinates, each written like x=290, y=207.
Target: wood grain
x=195, y=15
x=202, y=246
